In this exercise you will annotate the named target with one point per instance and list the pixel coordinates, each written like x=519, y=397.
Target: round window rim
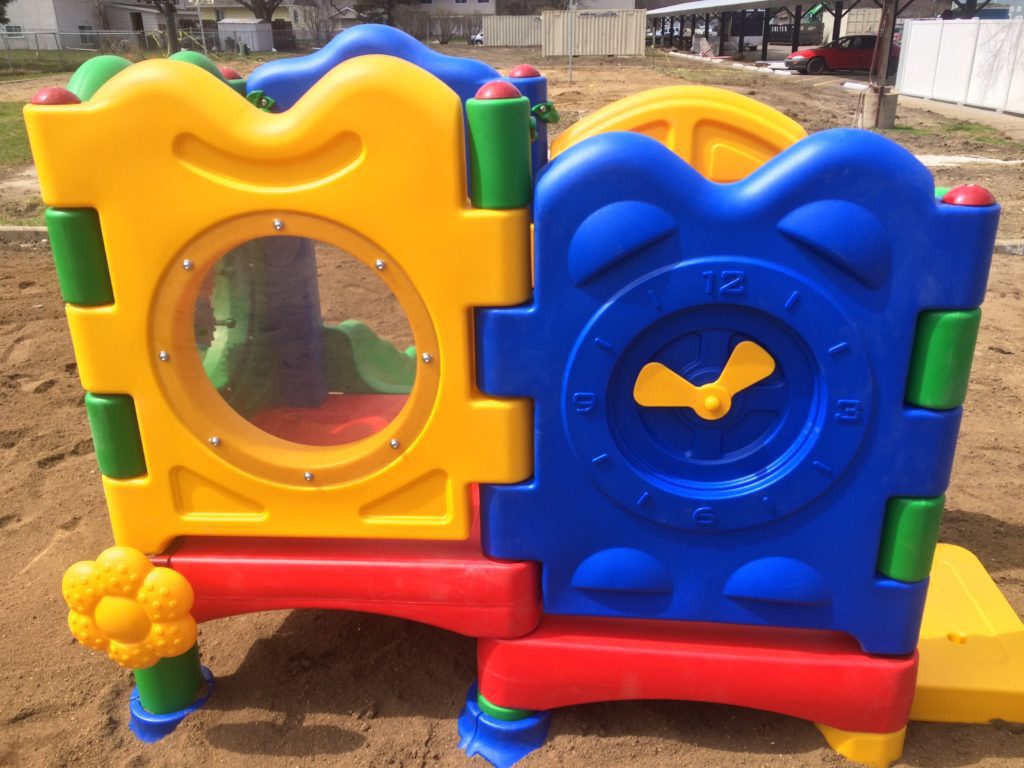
x=203, y=412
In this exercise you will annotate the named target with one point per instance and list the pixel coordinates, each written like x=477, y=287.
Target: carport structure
x=673, y=19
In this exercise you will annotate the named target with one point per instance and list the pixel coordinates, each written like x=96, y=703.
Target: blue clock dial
x=687, y=450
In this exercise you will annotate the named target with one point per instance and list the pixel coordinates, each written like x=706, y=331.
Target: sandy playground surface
x=340, y=689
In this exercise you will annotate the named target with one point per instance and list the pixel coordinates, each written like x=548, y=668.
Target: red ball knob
x=498, y=89
x=524, y=70
x=230, y=73
x=969, y=194
x=54, y=95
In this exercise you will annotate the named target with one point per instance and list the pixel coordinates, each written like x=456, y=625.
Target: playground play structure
x=673, y=417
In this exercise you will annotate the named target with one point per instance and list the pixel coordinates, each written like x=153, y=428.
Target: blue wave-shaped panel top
x=286, y=80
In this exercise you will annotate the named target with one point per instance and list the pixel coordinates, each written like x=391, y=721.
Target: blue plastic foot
x=502, y=743
x=148, y=727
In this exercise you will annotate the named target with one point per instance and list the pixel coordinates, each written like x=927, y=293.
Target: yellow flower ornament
x=120, y=603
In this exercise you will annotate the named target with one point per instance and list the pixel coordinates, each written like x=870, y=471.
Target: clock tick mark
x=643, y=499
x=822, y=467
x=791, y=302
x=837, y=349
x=599, y=459
x=653, y=298
x=604, y=344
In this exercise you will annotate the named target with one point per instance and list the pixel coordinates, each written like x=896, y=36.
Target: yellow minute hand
x=658, y=386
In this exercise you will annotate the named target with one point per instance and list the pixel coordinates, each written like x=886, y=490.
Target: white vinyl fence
x=595, y=33
x=978, y=62
x=512, y=31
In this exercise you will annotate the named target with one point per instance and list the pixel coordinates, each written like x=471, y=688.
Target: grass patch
x=28, y=214
x=13, y=139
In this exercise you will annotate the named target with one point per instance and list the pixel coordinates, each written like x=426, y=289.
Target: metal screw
x=215, y=441
x=278, y=225
x=428, y=358
x=379, y=264
x=394, y=443
x=187, y=264
x=164, y=356
x=307, y=476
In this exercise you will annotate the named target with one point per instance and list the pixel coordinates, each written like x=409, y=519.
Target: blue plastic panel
x=286, y=80
x=773, y=513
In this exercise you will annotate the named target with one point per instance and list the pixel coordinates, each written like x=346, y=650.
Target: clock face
x=717, y=394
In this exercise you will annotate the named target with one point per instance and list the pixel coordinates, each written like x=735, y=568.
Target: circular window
x=304, y=341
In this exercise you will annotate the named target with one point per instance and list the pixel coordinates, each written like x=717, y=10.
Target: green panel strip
x=81, y=259
x=170, y=684
x=908, y=538
x=941, y=362
x=501, y=713
x=499, y=152
x=115, y=433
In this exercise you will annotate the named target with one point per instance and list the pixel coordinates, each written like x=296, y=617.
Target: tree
x=3, y=11
x=379, y=11
x=472, y=23
x=261, y=9
x=317, y=18
x=444, y=27
x=170, y=13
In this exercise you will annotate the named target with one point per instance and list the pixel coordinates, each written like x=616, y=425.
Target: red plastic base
x=451, y=585
x=810, y=674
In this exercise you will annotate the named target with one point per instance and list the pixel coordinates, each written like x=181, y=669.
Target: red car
x=851, y=52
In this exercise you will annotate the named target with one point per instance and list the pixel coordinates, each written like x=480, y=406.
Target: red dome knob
x=498, y=89
x=969, y=194
x=229, y=73
x=54, y=95
x=524, y=70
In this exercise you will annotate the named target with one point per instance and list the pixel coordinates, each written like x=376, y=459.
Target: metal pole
x=837, y=20
x=743, y=29
x=570, y=41
x=798, y=14
x=722, y=16
x=764, y=34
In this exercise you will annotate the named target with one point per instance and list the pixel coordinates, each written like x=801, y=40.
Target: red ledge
x=819, y=676
x=451, y=585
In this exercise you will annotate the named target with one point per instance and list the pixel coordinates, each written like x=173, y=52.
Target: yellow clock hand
x=748, y=364
x=658, y=386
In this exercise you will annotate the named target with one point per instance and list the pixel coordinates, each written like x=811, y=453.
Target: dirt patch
x=319, y=688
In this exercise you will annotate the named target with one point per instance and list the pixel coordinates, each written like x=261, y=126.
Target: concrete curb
x=1009, y=247
x=28, y=236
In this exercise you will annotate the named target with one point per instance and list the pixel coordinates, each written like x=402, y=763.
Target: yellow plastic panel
x=972, y=646
x=371, y=160
x=723, y=135
x=877, y=750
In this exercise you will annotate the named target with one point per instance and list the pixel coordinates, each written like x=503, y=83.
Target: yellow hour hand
x=658, y=386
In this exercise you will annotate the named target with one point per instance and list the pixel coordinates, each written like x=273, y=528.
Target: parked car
x=853, y=52
x=477, y=39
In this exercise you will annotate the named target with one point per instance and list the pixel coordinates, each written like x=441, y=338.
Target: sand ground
x=321, y=688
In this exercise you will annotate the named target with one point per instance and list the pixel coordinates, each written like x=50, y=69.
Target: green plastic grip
x=170, y=684
x=80, y=256
x=115, y=433
x=94, y=73
x=507, y=714
x=499, y=152
x=908, y=538
x=940, y=364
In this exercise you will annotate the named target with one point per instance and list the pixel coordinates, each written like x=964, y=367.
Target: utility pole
x=878, y=107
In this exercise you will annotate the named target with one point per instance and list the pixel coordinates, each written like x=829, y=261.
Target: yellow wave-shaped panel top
x=723, y=135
